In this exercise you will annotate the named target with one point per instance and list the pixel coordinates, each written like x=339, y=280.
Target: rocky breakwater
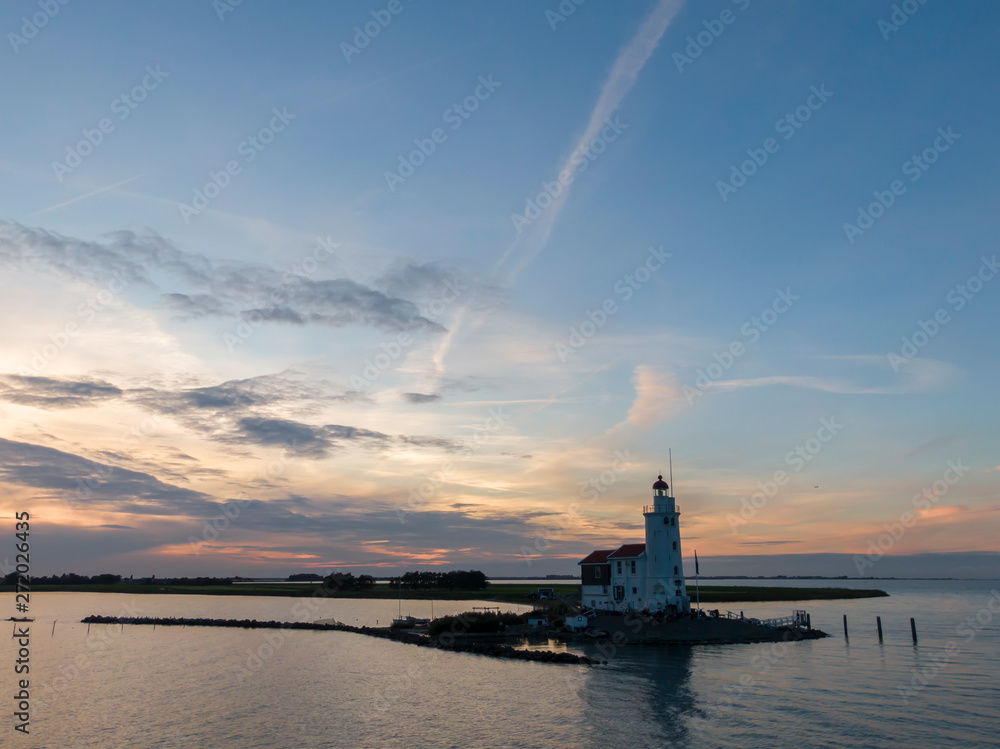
x=442, y=642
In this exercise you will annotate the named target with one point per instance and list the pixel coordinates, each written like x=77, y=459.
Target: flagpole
x=697, y=580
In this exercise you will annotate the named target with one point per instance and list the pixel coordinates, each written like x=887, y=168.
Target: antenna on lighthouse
x=670, y=454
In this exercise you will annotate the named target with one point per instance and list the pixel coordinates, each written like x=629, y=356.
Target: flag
x=696, y=564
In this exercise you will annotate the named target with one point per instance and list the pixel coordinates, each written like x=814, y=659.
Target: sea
x=136, y=686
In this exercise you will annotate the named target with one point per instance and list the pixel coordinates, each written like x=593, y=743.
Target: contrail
x=88, y=195
x=631, y=60
x=619, y=82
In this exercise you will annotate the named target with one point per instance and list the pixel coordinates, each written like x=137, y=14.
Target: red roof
x=596, y=557
x=627, y=551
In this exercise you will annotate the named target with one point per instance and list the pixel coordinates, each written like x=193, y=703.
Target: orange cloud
x=657, y=396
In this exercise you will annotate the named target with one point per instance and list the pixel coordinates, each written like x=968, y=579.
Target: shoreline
x=509, y=594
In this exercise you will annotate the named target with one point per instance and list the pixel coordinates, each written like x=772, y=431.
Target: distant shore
x=499, y=593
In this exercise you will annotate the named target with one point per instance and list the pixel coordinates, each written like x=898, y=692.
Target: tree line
x=453, y=580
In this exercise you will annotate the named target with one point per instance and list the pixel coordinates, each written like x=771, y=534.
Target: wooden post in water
x=878, y=622
x=53, y=627
x=845, y=627
x=913, y=630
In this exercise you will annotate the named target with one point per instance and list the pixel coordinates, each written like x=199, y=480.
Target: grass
x=514, y=593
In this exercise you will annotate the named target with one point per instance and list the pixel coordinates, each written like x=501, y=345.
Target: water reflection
x=645, y=691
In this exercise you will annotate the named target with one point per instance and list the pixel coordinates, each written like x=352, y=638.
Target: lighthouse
x=665, y=586
x=641, y=577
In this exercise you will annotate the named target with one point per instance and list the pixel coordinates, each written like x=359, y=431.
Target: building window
x=675, y=546
x=673, y=521
x=619, y=568
x=634, y=591
x=597, y=573
x=675, y=569
x=633, y=570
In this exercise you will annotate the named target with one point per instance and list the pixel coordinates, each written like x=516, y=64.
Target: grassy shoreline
x=498, y=593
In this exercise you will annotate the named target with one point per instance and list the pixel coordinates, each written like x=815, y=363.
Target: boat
x=408, y=621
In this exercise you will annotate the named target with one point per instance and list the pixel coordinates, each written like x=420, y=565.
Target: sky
x=384, y=286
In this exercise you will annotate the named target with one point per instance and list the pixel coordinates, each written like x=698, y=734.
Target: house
x=577, y=623
x=641, y=576
x=546, y=593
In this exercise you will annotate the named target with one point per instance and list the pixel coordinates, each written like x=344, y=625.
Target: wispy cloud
x=657, y=396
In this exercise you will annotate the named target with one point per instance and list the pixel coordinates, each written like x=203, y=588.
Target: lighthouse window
x=673, y=521
x=619, y=568
x=634, y=591
x=633, y=571
x=675, y=569
x=675, y=546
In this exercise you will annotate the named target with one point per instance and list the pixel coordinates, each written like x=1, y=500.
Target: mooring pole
x=845, y=627
x=913, y=630
x=878, y=622
x=53, y=628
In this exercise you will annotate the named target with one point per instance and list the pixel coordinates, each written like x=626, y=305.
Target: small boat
x=19, y=619
x=411, y=621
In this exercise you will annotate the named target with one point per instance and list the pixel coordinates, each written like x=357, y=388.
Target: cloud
x=91, y=483
x=217, y=288
x=421, y=397
x=657, y=396
x=54, y=393
x=233, y=412
x=918, y=376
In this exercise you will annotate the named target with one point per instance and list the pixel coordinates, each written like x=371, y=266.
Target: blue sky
x=242, y=332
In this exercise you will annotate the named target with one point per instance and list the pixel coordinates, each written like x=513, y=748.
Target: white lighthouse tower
x=665, y=586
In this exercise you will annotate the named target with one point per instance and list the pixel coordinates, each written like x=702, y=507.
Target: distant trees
x=346, y=581
x=305, y=577
x=454, y=580
x=66, y=579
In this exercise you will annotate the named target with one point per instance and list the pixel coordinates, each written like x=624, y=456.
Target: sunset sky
x=447, y=293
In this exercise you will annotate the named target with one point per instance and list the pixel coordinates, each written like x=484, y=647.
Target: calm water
x=198, y=687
